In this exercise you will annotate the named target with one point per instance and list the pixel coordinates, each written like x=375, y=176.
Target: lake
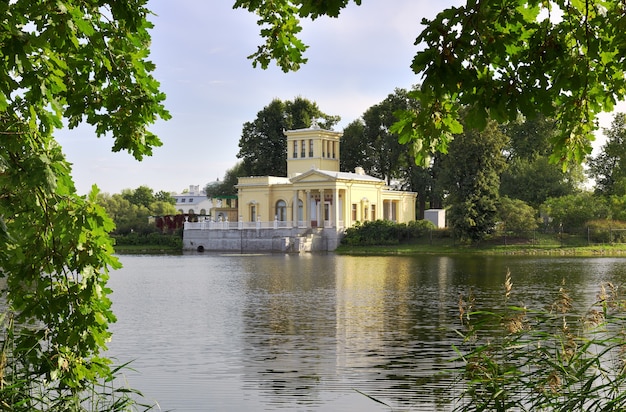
x=315, y=332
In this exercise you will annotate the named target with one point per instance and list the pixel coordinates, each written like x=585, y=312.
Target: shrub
x=385, y=232
x=420, y=228
x=377, y=232
x=150, y=239
x=607, y=231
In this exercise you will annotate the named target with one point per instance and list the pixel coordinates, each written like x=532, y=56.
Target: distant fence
x=571, y=237
x=582, y=236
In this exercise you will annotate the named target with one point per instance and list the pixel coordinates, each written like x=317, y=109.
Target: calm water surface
x=210, y=332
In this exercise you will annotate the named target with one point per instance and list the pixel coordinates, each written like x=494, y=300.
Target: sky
x=200, y=49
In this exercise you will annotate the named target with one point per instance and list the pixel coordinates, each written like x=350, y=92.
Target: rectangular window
x=323, y=148
x=310, y=147
x=183, y=200
x=295, y=149
x=354, y=212
x=302, y=149
x=373, y=212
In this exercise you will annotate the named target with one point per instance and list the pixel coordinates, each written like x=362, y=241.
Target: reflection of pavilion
x=315, y=200
x=316, y=193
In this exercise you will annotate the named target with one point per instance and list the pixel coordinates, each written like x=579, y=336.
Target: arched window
x=203, y=211
x=281, y=210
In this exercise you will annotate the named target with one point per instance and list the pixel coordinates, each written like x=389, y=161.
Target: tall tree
x=263, y=144
x=368, y=142
x=608, y=168
x=560, y=58
x=386, y=151
x=471, y=173
x=425, y=181
x=354, y=148
x=64, y=61
x=529, y=175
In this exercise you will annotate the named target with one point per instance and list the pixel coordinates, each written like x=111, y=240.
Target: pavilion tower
x=312, y=148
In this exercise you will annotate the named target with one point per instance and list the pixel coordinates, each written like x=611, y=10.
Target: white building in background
x=193, y=201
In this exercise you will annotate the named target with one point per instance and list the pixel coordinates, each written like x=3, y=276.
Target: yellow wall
x=325, y=145
x=362, y=198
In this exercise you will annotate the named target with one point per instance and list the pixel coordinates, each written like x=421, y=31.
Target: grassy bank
x=487, y=249
x=147, y=249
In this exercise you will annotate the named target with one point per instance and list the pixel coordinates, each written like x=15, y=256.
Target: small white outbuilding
x=436, y=216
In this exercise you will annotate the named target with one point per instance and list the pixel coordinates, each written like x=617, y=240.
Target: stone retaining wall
x=294, y=240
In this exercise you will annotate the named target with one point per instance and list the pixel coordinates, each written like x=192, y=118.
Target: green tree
x=354, y=148
x=163, y=196
x=572, y=212
x=617, y=207
x=425, y=181
x=142, y=196
x=516, y=216
x=535, y=181
x=529, y=175
x=608, y=168
x=130, y=213
x=161, y=208
x=471, y=173
x=116, y=206
x=384, y=149
x=263, y=144
x=226, y=187
x=558, y=58
x=368, y=143
x=63, y=61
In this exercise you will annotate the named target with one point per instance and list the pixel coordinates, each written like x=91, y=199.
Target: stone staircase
x=307, y=241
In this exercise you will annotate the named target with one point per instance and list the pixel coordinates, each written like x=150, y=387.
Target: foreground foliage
x=560, y=58
x=63, y=61
x=556, y=358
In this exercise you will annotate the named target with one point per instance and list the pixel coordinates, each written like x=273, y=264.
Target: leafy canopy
x=62, y=63
x=561, y=58
x=280, y=24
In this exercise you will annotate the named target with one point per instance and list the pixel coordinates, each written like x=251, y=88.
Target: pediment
x=313, y=176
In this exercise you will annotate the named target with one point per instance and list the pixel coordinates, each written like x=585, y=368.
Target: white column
x=336, y=207
x=320, y=208
x=294, y=209
x=308, y=208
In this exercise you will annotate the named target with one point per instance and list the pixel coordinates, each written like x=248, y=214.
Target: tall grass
x=560, y=357
x=23, y=389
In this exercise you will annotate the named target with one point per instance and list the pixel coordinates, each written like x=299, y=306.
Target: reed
x=22, y=387
x=560, y=357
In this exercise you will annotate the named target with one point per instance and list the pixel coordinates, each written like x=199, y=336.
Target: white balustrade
x=240, y=225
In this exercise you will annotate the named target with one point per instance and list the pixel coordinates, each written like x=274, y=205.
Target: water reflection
x=310, y=332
